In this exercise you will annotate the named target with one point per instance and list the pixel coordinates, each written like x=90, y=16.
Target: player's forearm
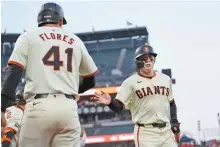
x=173, y=112
x=116, y=105
x=11, y=80
x=87, y=83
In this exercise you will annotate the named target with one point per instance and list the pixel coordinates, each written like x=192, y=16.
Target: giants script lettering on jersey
x=158, y=90
x=48, y=36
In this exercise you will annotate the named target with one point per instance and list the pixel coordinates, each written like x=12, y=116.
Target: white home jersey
x=148, y=98
x=53, y=59
x=14, y=117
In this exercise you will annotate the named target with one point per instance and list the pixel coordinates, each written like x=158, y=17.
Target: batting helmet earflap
x=143, y=50
x=50, y=13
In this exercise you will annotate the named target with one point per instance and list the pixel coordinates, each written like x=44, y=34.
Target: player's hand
x=102, y=98
x=175, y=127
x=3, y=120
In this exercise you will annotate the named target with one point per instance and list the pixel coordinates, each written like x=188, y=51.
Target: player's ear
x=60, y=23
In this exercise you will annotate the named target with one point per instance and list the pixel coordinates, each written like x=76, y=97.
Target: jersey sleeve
x=20, y=53
x=87, y=67
x=124, y=94
x=170, y=96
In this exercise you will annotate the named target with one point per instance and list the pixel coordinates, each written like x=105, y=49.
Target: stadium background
x=113, y=52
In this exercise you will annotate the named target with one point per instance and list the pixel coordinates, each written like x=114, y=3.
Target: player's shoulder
x=77, y=40
x=162, y=75
x=29, y=34
x=32, y=31
x=40, y=30
x=67, y=32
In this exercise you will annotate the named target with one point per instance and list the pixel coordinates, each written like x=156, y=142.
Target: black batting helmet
x=50, y=13
x=19, y=97
x=140, y=51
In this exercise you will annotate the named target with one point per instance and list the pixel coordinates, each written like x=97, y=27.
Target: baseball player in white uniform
x=53, y=59
x=148, y=94
x=13, y=115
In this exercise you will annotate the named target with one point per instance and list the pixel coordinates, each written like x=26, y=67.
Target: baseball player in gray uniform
x=148, y=94
x=54, y=59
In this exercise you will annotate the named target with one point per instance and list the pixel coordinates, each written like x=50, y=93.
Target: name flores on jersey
x=56, y=36
x=157, y=90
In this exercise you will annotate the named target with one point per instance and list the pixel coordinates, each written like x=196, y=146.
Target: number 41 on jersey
x=56, y=62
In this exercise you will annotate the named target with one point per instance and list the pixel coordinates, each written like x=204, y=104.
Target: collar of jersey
x=147, y=76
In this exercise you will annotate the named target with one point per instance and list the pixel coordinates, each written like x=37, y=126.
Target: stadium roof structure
x=96, y=35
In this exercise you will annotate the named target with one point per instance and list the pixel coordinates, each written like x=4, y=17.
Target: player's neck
x=52, y=25
x=150, y=73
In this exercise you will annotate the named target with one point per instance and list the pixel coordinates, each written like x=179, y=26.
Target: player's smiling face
x=149, y=63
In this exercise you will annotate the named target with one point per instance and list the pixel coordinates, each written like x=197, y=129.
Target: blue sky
x=185, y=35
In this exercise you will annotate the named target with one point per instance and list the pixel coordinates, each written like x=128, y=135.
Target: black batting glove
x=175, y=127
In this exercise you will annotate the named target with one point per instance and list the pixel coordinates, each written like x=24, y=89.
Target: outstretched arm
x=173, y=112
x=116, y=105
x=104, y=98
x=122, y=98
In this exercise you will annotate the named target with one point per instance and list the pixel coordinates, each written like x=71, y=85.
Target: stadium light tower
x=218, y=115
x=199, y=131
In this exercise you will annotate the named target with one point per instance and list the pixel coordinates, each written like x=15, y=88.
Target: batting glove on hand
x=175, y=127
